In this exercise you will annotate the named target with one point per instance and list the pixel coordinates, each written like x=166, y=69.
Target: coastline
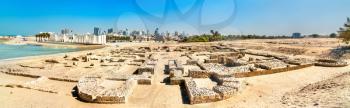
x=17, y=41
x=28, y=58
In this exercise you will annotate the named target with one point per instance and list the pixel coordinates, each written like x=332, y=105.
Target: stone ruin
x=224, y=58
x=226, y=87
x=175, y=65
x=97, y=90
x=238, y=65
x=176, y=71
x=224, y=67
x=117, y=88
x=327, y=62
x=147, y=66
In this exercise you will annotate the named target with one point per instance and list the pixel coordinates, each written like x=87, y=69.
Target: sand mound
x=334, y=92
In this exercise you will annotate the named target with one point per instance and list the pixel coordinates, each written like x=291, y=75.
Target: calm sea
x=15, y=51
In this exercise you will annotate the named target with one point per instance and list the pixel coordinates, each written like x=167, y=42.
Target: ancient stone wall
x=200, y=95
x=90, y=90
x=272, y=71
x=194, y=73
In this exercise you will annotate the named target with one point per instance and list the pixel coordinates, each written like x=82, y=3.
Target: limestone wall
x=199, y=73
x=272, y=71
x=211, y=61
x=90, y=90
x=175, y=65
x=331, y=63
x=200, y=95
x=148, y=66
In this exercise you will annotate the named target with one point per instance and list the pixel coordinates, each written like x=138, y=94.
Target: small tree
x=344, y=33
x=333, y=35
x=315, y=35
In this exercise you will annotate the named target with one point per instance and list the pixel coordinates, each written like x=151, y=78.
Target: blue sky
x=266, y=17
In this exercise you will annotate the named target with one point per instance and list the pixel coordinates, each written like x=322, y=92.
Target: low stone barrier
x=175, y=65
x=236, y=62
x=91, y=90
x=298, y=61
x=176, y=77
x=191, y=62
x=226, y=88
x=211, y=61
x=38, y=76
x=194, y=73
x=225, y=91
x=271, y=65
x=144, y=79
x=148, y=66
x=176, y=80
x=200, y=95
x=272, y=71
x=330, y=63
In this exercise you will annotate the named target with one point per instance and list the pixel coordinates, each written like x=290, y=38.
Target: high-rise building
x=156, y=32
x=109, y=31
x=296, y=35
x=97, y=31
x=176, y=33
x=127, y=32
x=66, y=31
x=147, y=33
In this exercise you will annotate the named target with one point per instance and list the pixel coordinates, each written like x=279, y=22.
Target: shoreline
x=14, y=60
x=31, y=41
x=14, y=41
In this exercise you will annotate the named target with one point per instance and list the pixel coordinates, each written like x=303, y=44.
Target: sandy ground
x=267, y=91
x=262, y=91
x=333, y=92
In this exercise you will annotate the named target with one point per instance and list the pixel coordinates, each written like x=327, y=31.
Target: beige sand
x=262, y=91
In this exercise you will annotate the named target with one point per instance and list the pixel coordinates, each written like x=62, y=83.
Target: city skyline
x=268, y=17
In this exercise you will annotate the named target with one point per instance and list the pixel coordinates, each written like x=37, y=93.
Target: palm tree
x=344, y=33
x=41, y=36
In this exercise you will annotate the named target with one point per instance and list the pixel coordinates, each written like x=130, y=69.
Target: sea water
x=15, y=51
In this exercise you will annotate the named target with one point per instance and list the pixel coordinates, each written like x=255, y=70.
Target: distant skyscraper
x=124, y=33
x=127, y=33
x=296, y=35
x=176, y=33
x=109, y=31
x=66, y=31
x=147, y=32
x=158, y=36
x=97, y=31
x=156, y=32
